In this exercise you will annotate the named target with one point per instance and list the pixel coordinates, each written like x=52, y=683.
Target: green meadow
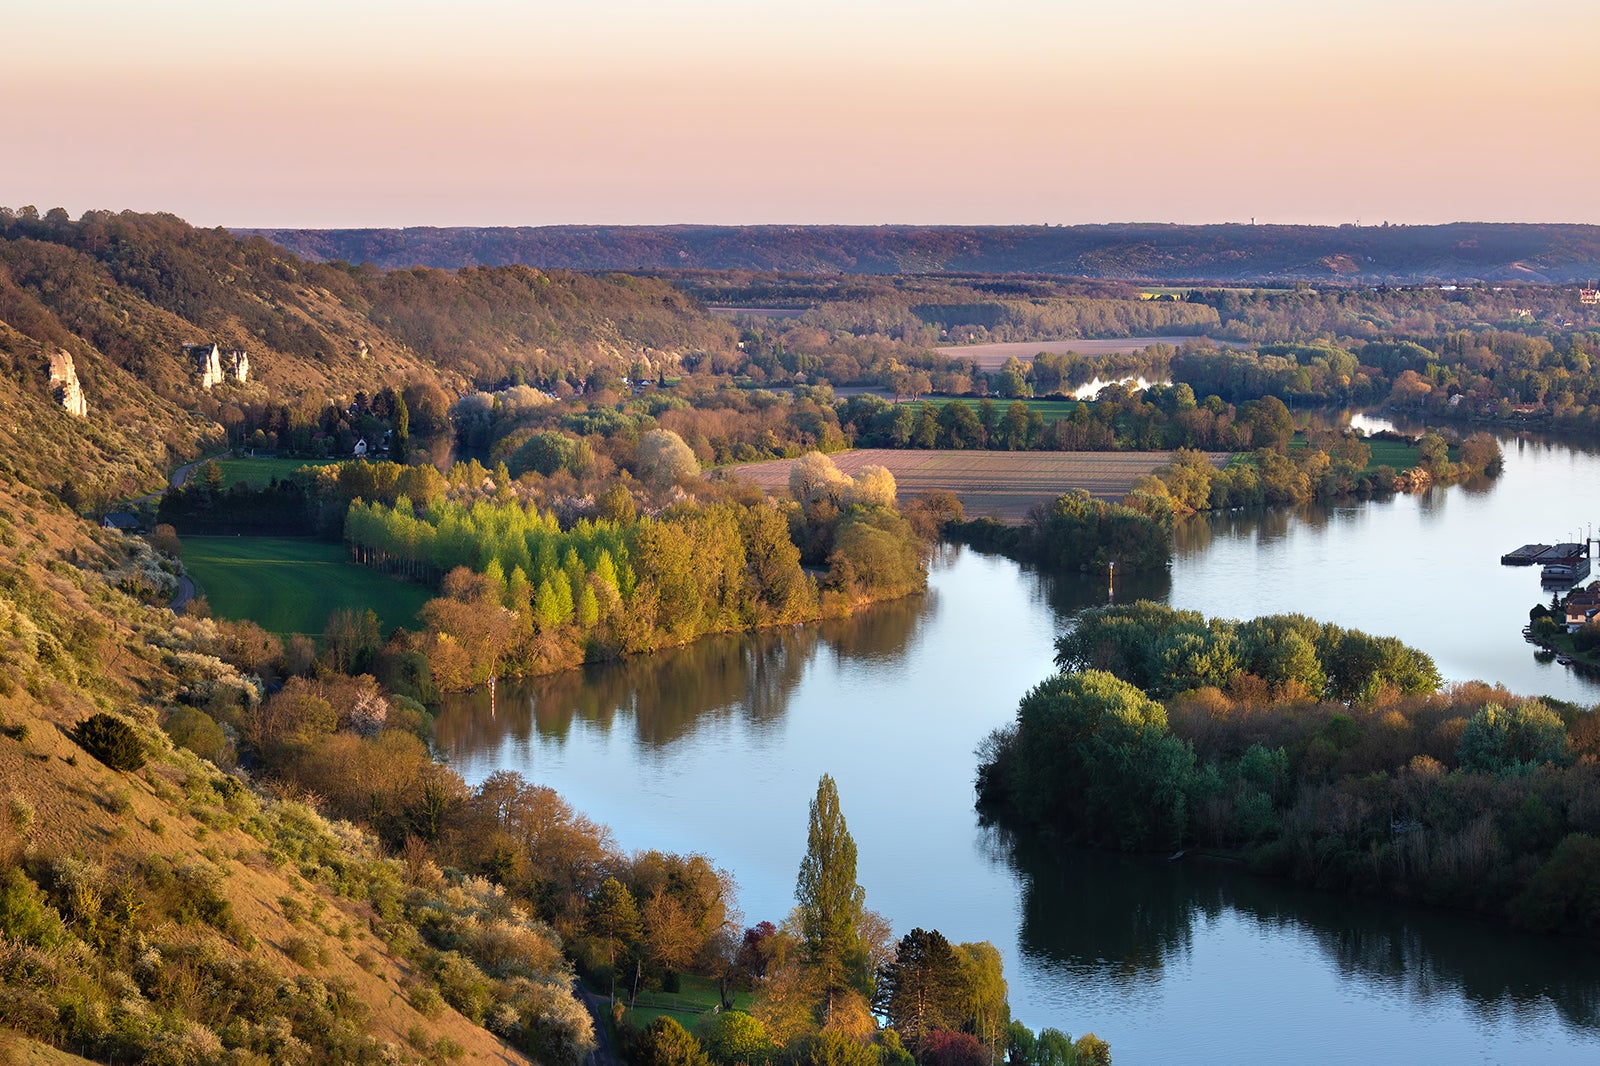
x=1401, y=455
x=261, y=472
x=290, y=584
x=1049, y=410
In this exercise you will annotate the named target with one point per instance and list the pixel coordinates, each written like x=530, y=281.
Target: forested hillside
x=1146, y=252
x=122, y=294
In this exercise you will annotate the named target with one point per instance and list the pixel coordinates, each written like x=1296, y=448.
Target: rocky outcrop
x=64, y=384
x=236, y=363
x=211, y=365
x=206, y=364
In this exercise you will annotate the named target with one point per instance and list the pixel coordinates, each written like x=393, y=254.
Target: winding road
x=186, y=590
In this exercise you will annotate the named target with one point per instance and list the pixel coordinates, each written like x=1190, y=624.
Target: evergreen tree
x=922, y=988
x=613, y=920
x=400, y=423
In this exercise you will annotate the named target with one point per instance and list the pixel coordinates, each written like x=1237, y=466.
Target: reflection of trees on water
x=1066, y=592
x=1097, y=914
x=671, y=693
x=1260, y=525
x=1121, y=917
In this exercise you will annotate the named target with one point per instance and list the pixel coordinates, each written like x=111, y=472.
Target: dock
x=1564, y=564
x=1524, y=556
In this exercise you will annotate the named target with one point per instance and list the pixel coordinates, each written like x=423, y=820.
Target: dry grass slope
x=58, y=804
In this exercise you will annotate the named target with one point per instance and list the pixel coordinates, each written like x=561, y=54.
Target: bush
x=665, y=1042
x=943, y=1047
x=20, y=812
x=736, y=1037
x=112, y=741
x=199, y=732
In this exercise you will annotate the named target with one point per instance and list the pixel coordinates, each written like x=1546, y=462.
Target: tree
x=400, y=423
x=351, y=638
x=1433, y=453
x=1092, y=1051
x=1093, y=757
x=1022, y=1047
x=1054, y=1048
x=985, y=1009
x=664, y=459
x=829, y=900
x=922, y=988
x=829, y=1048
x=814, y=479
x=614, y=920
x=1481, y=452
x=1497, y=740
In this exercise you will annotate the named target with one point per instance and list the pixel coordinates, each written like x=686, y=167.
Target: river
x=717, y=748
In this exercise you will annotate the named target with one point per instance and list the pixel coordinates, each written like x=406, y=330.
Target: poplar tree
x=830, y=902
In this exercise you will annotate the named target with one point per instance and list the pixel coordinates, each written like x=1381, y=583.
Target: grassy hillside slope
x=290, y=585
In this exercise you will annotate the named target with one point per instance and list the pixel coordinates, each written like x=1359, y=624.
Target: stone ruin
x=64, y=384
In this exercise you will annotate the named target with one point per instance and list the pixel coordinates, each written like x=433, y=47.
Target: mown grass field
x=1393, y=453
x=290, y=585
x=1049, y=410
x=689, y=1005
x=261, y=472
x=1000, y=485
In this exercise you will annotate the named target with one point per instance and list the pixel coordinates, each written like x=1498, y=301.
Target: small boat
x=1563, y=660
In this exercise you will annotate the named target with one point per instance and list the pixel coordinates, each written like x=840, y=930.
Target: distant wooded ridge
x=1235, y=253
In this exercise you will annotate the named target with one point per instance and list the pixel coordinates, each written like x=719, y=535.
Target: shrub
x=200, y=733
x=665, y=1042
x=305, y=951
x=19, y=809
x=944, y=1047
x=25, y=916
x=112, y=741
x=735, y=1037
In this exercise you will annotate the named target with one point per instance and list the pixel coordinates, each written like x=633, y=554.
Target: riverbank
x=710, y=748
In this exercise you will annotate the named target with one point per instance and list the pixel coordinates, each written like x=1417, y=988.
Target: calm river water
x=717, y=749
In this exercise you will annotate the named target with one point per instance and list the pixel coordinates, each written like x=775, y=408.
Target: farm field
x=999, y=485
x=290, y=585
x=994, y=356
x=261, y=472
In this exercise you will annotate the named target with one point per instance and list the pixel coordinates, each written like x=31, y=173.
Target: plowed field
x=994, y=356
x=1001, y=485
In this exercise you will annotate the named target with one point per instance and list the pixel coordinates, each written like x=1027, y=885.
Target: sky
x=345, y=113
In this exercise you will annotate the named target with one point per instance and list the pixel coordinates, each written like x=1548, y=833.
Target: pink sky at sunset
x=495, y=113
